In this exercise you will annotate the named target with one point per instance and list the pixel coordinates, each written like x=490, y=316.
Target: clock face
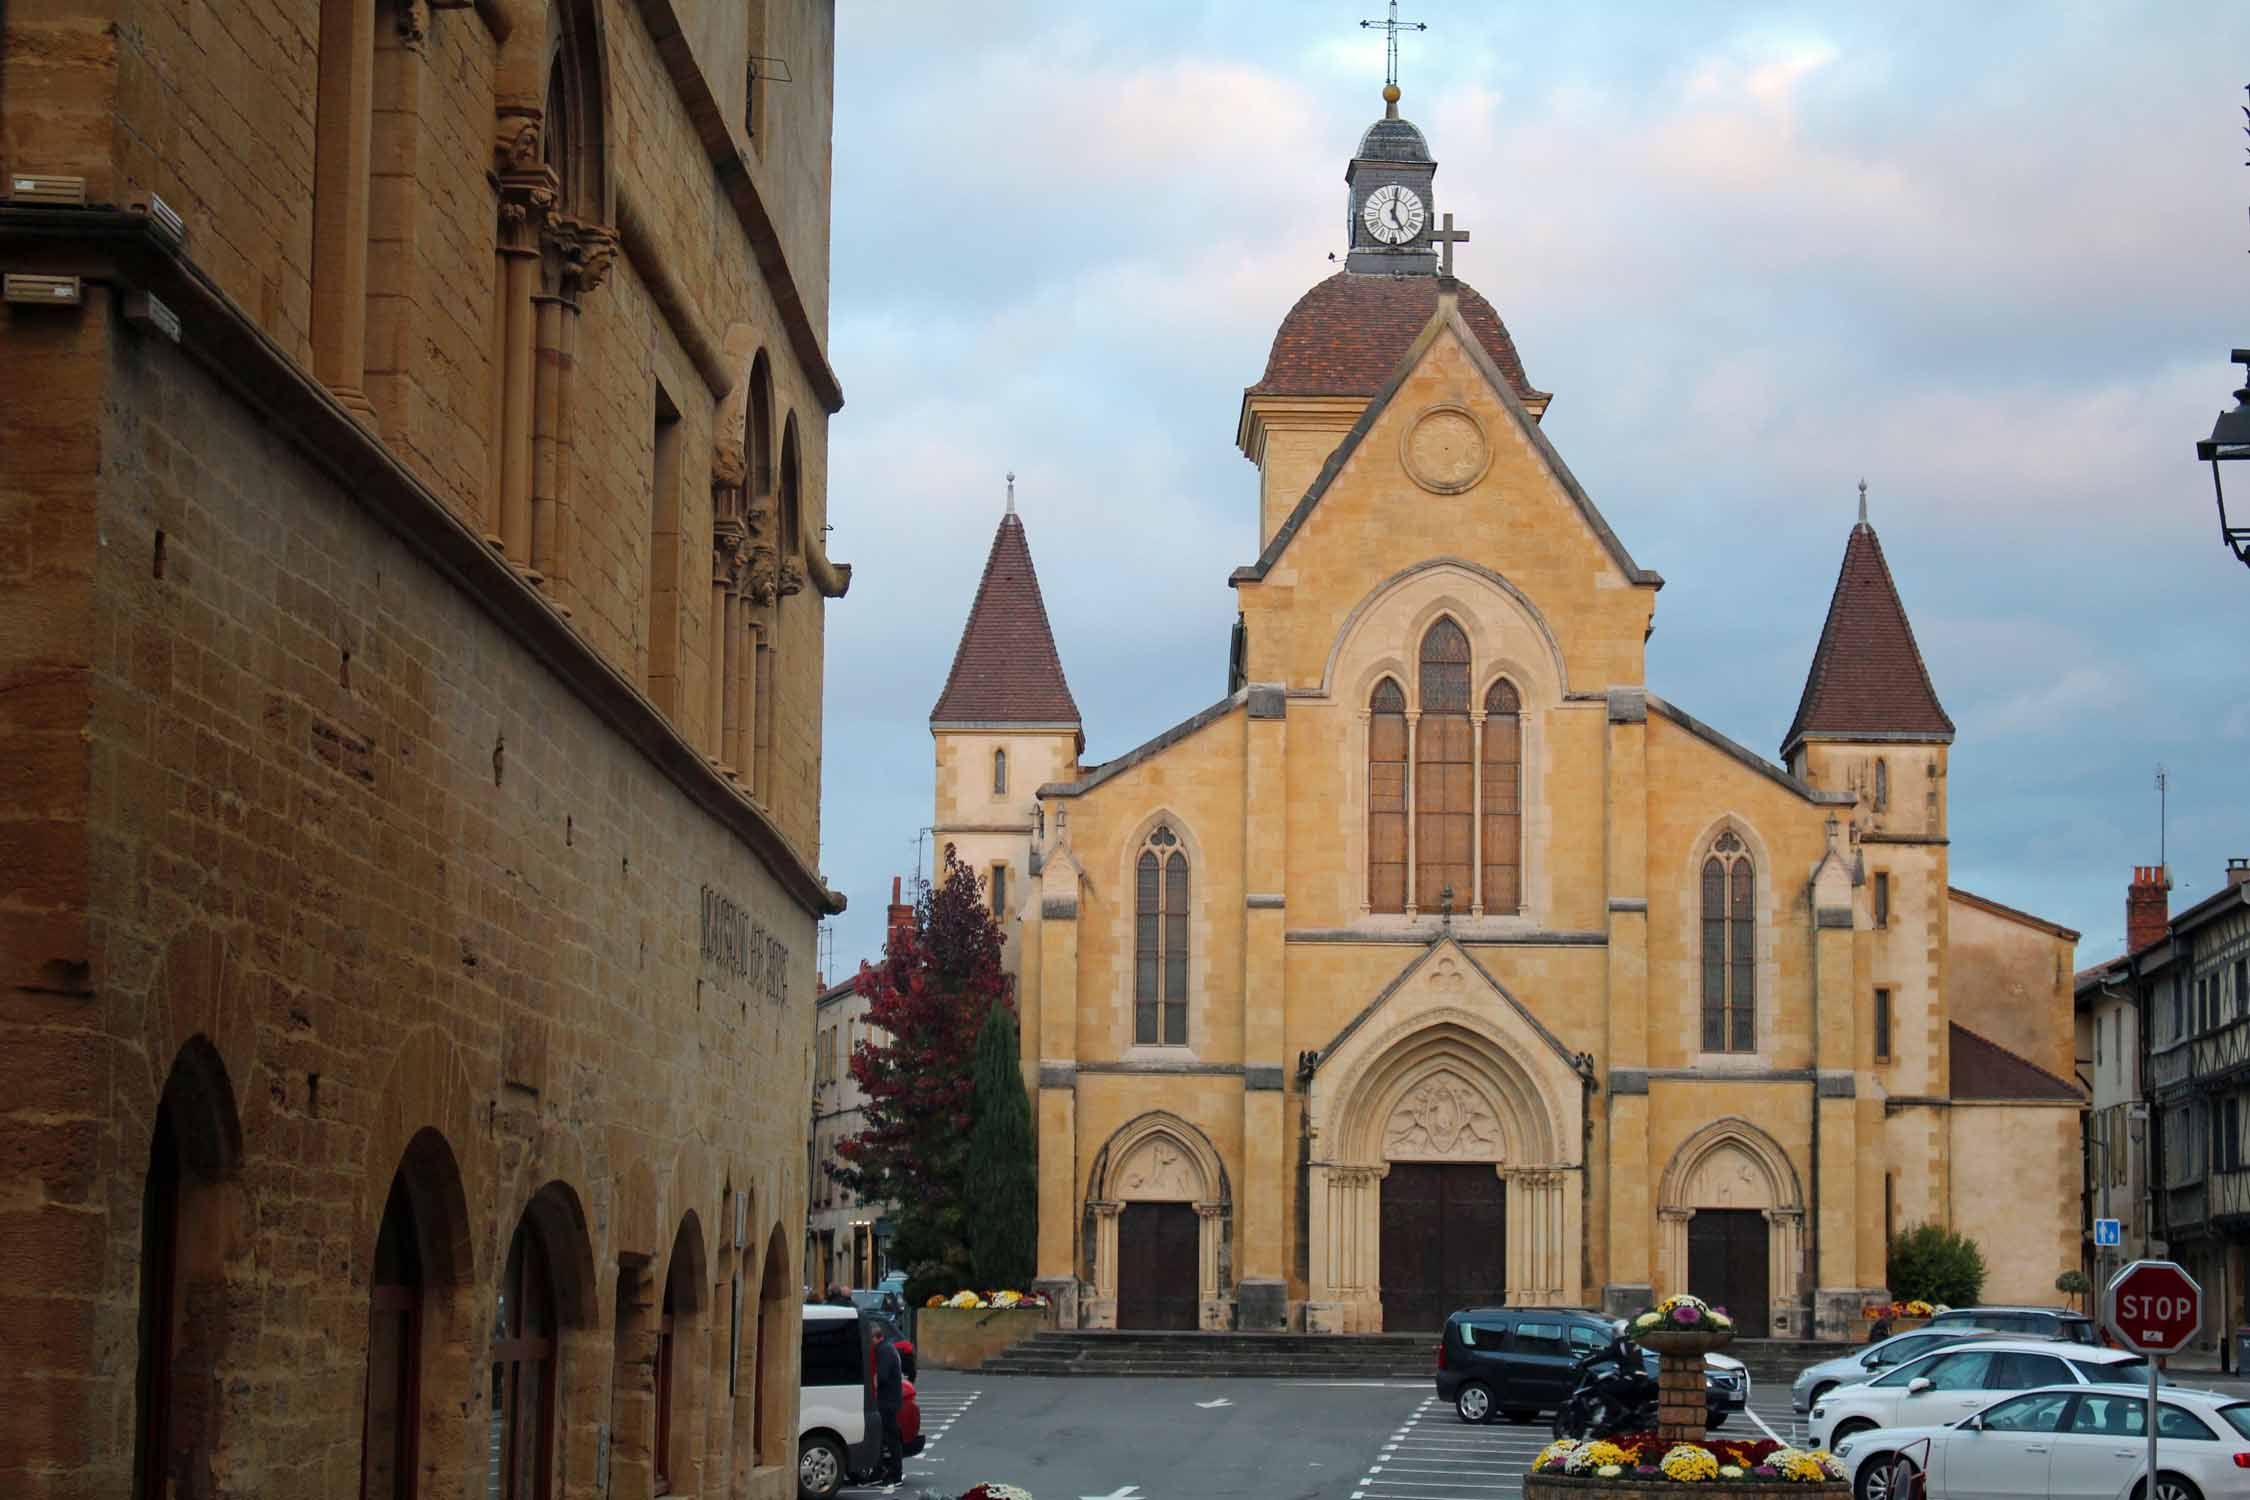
x=1393, y=214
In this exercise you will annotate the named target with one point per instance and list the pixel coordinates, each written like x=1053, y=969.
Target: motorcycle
x=1615, y=1393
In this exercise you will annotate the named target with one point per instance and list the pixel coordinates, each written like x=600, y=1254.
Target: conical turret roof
x=1867, y=678
x=1006, y=670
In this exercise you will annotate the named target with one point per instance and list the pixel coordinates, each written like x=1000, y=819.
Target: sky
x=1990, y=258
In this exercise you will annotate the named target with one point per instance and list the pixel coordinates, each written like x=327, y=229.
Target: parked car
x=2072, y=1442
x=1524, y=1361
x=839, y=1433
x=2043, y=1322
x=1946, y=1385
x=1816, y=1381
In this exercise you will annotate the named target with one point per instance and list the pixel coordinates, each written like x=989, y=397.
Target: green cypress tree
x=1003, y=1204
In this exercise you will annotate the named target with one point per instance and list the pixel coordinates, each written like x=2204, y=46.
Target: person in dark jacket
x=889, y=1397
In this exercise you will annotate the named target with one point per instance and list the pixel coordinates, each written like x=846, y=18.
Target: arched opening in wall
x=999, y=773
x=771, y=1410
x=788, y=542
x=387, y=1459
x=574, y=139
x=545, y=1286
x=1386, y=797
x=674, y=1446
x=1443, y=801
x=190, y=1215
x=1160, y=941
x=1501, y=797
x=757, y=426
x=1729, y=947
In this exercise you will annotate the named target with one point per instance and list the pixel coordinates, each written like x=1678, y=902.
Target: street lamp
x=2229, y=442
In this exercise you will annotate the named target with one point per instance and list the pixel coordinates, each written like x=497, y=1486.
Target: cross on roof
x=1446, y=239
x=1393, y=27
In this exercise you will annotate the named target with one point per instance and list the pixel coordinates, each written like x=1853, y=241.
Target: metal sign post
x=2153, y=1307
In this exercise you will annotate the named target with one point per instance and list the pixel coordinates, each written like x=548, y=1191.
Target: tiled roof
x=1867, y=676
x=1346, y=336
x=1006, y=670
x=1983, y=1069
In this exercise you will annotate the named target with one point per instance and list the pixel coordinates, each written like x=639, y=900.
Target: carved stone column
x=1413, y=796
x=1210, y=1234
x=1476, y=813
x=343, y=149
x=1102, y=1311
x=527, y=198
x=1672, y=1250
x=1785, y=1268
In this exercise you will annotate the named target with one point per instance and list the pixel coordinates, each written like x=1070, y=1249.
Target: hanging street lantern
x=2229, y=442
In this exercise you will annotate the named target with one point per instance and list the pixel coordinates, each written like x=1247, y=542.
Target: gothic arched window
x=1160, y=941
x=1502, y=793
x=1443, y=797
x=999, y=773
x=1386, y=797
x=394, y=1354
x=1729, y=948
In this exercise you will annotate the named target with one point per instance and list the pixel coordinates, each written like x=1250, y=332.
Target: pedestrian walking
x=889, y=1397
x=837, y=1296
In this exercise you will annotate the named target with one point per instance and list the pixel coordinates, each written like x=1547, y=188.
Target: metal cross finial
x=1011, y=492
x=1393, y=27
x=1863, y=502
x=1446, y=239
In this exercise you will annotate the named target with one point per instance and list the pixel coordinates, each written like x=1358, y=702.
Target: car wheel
x=1875, y=1475
x=2169, y=1486
x=820, y=1469
x=1473, y=1402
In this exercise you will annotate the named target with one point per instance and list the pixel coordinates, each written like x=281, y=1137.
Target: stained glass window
x=1729, y=948
x=1503, y=799
x=1160, y=942
x=1444, y=805
x=1386, y=797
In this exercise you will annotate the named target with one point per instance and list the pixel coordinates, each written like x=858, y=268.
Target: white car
x=2071, y=1442
x=838, y=1431
x=1945, y=1385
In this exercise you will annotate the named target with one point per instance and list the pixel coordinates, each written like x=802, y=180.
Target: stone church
x=1444, y=961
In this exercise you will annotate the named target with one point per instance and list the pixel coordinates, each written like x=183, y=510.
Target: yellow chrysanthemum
x=1610, y=1471
x=1688, y=1463
x=1553, y=1454
x=966, y=1299
x=1007, y=1299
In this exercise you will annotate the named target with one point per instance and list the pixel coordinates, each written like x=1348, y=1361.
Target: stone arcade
x=1443, y=961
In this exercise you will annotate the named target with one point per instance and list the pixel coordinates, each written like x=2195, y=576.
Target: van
x=839, y=1433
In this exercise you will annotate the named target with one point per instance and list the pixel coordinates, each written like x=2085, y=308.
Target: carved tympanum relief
x=1442, y=1118
x=1728, y=1178
x=1158, y=1171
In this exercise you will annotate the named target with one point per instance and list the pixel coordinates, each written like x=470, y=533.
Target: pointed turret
x=1006, y=671
x=1867, y=680
x=1004, y=726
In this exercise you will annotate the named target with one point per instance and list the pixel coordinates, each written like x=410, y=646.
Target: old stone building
x=1443, y=961
x=413, y=453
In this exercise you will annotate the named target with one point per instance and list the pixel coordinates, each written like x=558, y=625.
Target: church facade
x=1445, y=962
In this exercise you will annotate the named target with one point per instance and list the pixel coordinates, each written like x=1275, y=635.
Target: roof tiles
x=1867, y=675
x=1006, y=669
x=1346, y=336
x=1983, y=1069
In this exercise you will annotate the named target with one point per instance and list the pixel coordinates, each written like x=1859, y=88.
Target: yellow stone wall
x=2007, y=1159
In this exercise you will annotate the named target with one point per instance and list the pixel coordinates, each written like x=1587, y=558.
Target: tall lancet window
x=999, y=773
x=1444, y=806
x=1160, y=941
x=1386, y=797
x=1502, y=796
x=1730, y=1018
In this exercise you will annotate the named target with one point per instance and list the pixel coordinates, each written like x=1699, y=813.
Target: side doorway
x=1157, y=1272
x=1728, y=1259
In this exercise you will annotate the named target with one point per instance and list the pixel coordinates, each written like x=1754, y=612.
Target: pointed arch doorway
x=1158, y=1212
x=1731, y=1215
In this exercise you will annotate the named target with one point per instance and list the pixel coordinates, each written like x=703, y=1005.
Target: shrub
x=1930, y=1263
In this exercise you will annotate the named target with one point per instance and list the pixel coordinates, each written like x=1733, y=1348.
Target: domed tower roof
x=1393, y=139
x=1346, y=336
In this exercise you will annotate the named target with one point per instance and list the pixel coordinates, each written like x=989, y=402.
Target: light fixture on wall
x=2229, y=442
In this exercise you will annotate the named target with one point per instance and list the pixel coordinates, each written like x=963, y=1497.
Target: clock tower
x=1392, y=207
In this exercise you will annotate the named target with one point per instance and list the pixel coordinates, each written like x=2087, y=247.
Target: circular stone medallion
x=1444, y=450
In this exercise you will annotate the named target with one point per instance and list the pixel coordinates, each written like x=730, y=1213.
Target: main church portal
x=1444, y=1242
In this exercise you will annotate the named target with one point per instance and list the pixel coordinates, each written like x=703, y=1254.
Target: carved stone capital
x=527, y=199
x=790, y=578
x=588, y=253
x=413, y=24
x=516, y=141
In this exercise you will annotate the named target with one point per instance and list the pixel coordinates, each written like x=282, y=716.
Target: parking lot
x=1160, y=1439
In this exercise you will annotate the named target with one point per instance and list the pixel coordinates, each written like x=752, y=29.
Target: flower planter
x=1684, y=1343
x=1567, y=1487
x=963, y=1338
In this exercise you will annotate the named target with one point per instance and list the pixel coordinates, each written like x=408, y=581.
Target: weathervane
x=1392, y=28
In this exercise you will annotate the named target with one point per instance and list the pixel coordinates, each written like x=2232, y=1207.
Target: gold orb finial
x=1390, y=101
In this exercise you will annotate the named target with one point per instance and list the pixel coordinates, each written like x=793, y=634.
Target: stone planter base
x=963, y=1338
x=1566, y=1487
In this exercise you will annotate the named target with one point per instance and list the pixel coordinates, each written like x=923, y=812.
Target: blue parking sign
x=2108, y=1233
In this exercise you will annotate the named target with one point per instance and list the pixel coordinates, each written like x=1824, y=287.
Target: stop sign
x=2153, y=1306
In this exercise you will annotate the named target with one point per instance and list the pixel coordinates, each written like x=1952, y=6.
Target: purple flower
x=1766, y=1471
x=1649, y=1471
x=1687, y=1314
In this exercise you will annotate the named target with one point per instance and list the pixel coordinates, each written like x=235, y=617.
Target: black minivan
x=1524, y=1361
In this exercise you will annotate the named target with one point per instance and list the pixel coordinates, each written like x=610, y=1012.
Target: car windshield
x=2237, y=1417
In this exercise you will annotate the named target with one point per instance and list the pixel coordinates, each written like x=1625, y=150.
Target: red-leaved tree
x=926, y=1002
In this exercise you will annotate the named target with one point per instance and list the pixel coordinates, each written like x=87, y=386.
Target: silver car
x=1816, y=1381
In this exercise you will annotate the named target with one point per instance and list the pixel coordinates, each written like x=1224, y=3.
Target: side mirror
x=1871, y=1362
x=1973, y=1424
x=1917, y=1385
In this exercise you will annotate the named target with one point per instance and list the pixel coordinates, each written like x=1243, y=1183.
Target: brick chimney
x=2238, y=873
x=901, y=919
x=2148, y=906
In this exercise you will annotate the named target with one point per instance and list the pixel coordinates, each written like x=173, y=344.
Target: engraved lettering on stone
x=1443, y=1117
x=738, y=944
